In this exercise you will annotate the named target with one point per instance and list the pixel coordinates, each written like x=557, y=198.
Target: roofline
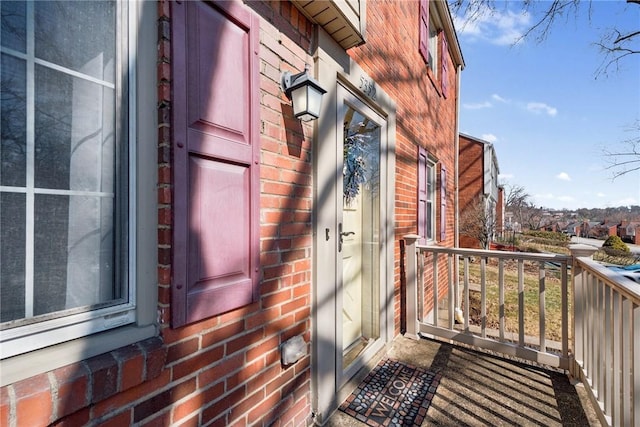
x=487, y=144
x=450, y=31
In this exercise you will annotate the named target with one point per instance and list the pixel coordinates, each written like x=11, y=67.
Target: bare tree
x=516, y=201
x=627, y=159
x=478, y=222
x=532, y=217
x=615, y=43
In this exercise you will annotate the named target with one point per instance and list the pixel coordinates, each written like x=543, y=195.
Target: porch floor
x=480, y=389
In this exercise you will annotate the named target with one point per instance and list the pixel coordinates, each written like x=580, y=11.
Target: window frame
x=427, y=218
x=433, y=46
x=62, y=340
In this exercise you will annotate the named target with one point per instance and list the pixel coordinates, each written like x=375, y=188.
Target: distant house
x=573, y=229
x=478, y=183
x=591, y=229
x=629, y=231
x=605, y=229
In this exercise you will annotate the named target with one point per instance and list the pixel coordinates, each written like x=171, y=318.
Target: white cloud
x=501, y=28
x=505, y=176
x=563, y=176
x=489, y=137
x=627, y=201
x=477, y=106
x=498, y=98
x=540, y=107
x=601, y=195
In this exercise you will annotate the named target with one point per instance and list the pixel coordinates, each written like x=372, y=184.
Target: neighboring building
x=500, y=211
x=602, y=230
x=478, y=183
x=573, y=229
x=167, y=225
x=629, y=231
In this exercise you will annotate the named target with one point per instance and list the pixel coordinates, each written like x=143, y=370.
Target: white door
x=359, y=245
x=351, y=273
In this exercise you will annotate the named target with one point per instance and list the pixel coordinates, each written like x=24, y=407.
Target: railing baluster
x=420, y=287
x=616, y=344
x=520, y=302
x=451, y=296
x=635, y=365
x=483, y=297
x=501, y=297
x=412, y=283
x=599, y=343
x=456, y=285
x=564, y=288
x=579, y=315
x=436, y=291
x=627, y=339
x=467, y=312
x=608, y=352
x=541, y=306
x=590, y=338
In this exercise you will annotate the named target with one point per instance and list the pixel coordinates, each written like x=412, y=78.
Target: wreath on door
x=354, y=171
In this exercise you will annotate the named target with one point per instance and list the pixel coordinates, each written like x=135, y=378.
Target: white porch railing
x=607, y=340
x=604, y=311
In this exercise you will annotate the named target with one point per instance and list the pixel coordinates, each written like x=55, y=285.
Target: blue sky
x=546, y=109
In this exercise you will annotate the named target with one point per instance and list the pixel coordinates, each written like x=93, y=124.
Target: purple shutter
x=422, y=194
x=216, y=159
x=443, y=203
x=424, y=30
x=445, y=65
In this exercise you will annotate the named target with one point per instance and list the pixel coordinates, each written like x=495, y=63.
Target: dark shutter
x=443, y=203
x=424, y=30
x=216, y=159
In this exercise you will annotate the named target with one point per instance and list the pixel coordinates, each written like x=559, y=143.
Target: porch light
x=305, y=93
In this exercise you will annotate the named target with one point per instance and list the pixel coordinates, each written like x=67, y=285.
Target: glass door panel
x=359, y=234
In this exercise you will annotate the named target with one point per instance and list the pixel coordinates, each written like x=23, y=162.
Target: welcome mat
x=393, y=394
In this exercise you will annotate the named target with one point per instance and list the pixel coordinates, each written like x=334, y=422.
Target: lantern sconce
x=305, y=93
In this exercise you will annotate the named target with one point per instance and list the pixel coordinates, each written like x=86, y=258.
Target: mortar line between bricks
x=53, y=385
x=12, y=405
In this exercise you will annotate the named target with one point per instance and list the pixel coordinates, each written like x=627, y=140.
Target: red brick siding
x=471, y=181
x=424, y=118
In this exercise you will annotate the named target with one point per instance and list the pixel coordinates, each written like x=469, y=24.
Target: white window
x=433, y=47
x=64, y=175
x=426, y=196
x=430, y=211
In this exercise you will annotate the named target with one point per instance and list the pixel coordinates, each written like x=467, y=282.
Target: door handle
x=341, y=234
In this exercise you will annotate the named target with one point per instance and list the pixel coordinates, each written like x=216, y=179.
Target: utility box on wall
x=293, y=350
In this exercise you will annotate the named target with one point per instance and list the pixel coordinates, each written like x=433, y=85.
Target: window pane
x=14, y=28
x=73, y=252
x=58, y=227
x=12, y=256
x=74, y=126
x=13, y=122
x=84, y=43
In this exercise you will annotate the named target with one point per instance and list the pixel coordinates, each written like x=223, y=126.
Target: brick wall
x=424, y=118
x=226, y=370
x=471, y=181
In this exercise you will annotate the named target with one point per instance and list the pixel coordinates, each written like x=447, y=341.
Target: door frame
x=333, y=68
x=345, y=98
